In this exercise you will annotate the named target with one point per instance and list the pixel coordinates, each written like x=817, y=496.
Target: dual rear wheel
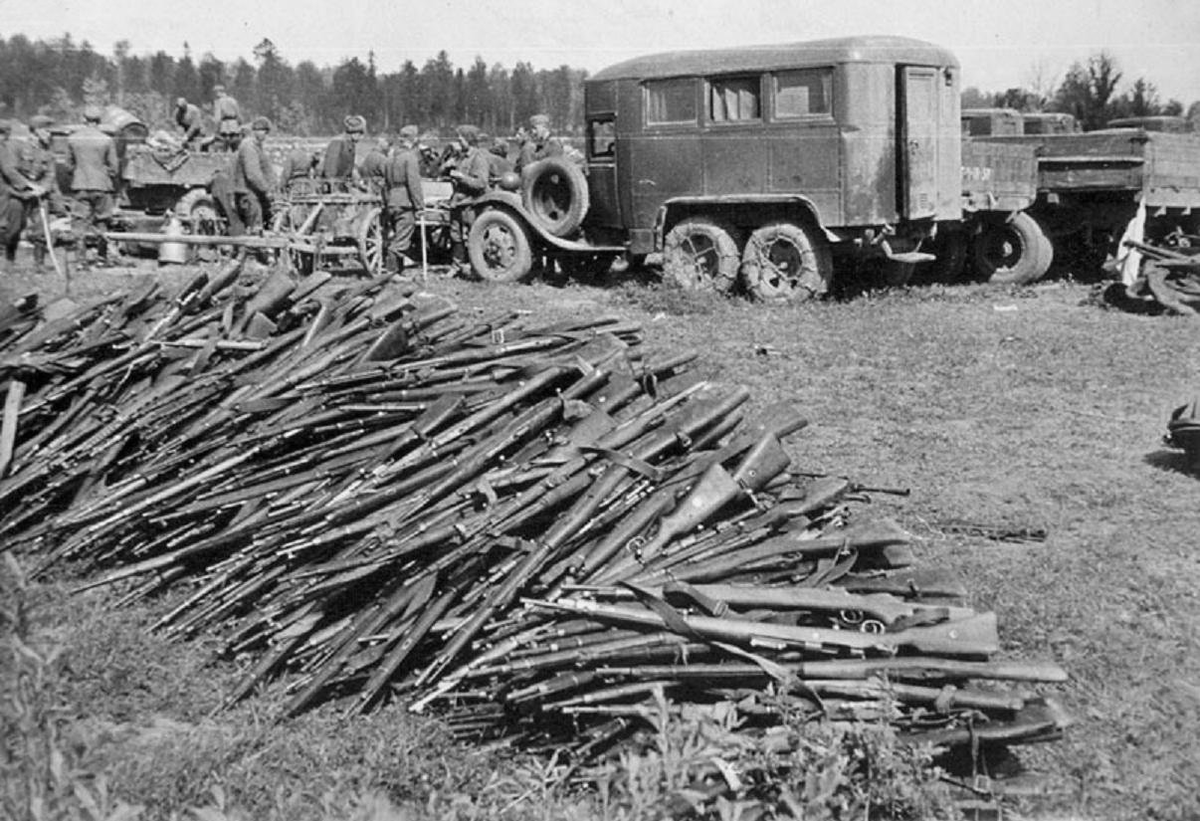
x=781, y=261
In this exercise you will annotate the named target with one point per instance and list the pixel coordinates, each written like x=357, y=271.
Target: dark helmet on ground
x=510, y=181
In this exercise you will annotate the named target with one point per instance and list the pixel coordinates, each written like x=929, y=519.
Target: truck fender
x=511, y=202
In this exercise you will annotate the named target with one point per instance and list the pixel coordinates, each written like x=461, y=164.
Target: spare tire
x=555, y=193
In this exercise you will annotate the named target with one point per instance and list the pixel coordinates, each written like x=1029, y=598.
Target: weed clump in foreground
x=712, y=765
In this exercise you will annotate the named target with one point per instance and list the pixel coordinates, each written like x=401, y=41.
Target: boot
x=39, y=257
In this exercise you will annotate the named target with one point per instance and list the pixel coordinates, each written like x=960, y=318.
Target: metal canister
x=173, y=253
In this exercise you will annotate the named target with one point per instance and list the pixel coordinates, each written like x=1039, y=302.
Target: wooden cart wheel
x=371, y=248
x=284, y=224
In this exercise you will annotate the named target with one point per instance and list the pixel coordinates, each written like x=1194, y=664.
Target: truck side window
x=803, y=93
x=734, y=99
x=602, y=139
x=671, y=101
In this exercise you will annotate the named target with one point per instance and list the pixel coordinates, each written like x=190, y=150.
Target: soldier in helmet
x=340, y=153
x=539, y=143
x=190, y=122
x=404, y=197
x=228, y=115
x=253, y=178
x=471, y=177
x=92, y=158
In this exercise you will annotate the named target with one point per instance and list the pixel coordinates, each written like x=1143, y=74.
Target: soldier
x=92, y=158
x=404, y=197
x=253, y=179
x=14, y=188
x=190, y=121
x=299, y=164
x=376, y=161
x=539, y=143
x=339, y=154
x=228, y=115
x=38, y=166
x=470, y=177
x=498, y=160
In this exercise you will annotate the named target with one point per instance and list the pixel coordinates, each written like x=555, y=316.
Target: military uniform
x=297, y=165
x=403, y=197
x=340, y=153
x=13, y=188
x=92, y=158
x=498, y=162
x=191, y=121
x=38, y=166
x=533, y=150
x=471, y=176
x=374, y=164
x=228, y=115
x=539, y=145
x=252, y=179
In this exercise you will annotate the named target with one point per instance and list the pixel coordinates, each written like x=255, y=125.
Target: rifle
x=972, y=636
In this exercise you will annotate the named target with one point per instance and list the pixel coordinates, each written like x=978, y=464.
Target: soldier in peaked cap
x=92, y=158
x=539, y=144
x=340, y=153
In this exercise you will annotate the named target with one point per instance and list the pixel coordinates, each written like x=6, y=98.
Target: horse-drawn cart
x=331, y=224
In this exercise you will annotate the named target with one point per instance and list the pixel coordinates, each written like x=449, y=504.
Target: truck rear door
x=916, y=146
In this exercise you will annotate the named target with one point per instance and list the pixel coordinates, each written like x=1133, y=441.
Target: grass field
x=1024, y=408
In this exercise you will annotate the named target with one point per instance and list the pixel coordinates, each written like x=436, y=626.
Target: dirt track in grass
x=1028, y=408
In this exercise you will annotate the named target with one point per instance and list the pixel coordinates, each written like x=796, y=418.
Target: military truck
x=755, y=168
x=1091, y=184
x=153, y=179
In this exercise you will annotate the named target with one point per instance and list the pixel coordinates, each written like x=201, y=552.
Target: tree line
x=59, y=77
x=1087, y=91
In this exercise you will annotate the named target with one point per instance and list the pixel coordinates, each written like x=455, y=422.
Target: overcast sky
x=1000, y=43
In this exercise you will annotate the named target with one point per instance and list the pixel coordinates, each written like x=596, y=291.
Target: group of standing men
x=474, y=164
x=29, y=190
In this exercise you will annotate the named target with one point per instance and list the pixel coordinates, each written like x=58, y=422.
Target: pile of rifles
x=540, y=533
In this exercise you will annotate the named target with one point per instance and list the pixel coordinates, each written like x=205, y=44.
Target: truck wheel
x=198, y=211
x=499, y=247
x=701, y=255
x=786, y=261
x=1013, y=252
x=555, y=192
